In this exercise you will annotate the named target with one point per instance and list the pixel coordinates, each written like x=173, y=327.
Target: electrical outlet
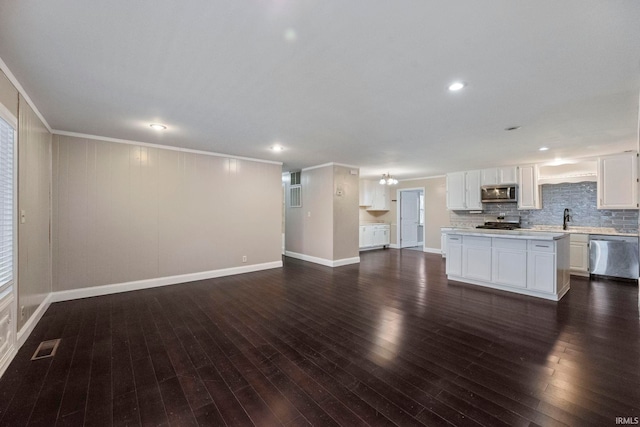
x=244, y=258
x=22, y=312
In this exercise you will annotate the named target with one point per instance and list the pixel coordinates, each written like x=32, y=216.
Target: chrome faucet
x=566, y=218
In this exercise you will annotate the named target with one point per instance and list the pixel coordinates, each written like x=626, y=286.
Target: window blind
x=7, y=137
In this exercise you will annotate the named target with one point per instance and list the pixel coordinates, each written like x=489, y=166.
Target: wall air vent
x=295, y=190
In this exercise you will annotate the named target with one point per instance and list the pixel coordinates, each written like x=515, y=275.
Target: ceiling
x=360, y=82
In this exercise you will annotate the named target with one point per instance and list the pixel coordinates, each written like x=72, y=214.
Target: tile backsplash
x=580, y=198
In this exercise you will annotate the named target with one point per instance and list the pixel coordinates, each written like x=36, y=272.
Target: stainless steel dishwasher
x=615, y=256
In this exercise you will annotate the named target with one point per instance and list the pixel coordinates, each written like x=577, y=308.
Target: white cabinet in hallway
x=374, y=196
x=375, y=235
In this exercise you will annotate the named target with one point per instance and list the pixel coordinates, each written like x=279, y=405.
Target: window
x=295, y=190
x=7, y=202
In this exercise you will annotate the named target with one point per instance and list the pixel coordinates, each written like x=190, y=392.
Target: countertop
x=511, y=234
x=556, y=229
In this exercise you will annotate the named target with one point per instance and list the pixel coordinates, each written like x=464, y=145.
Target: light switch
x=309, y=214
x=23, y=216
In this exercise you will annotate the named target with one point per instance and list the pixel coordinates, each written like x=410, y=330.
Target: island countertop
x=608, y=231
x=509, y=234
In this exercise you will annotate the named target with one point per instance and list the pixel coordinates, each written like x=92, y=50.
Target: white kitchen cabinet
x=541, y=271
x=528, y=188
x=366, y=192
x=379, y=197
x=541, y=266
x=454, y=255
x=456, y=191
x=617, y=181
x=443, y=244
x=381, y=235
x=536, y=264
x=463, y=190
x=474, y=196
x=476, y=258
x=499, y=176
x=366, y=236
x=509, y=262
x=375, y=235
x=579, y=254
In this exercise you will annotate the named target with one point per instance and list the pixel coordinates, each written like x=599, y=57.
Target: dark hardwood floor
x=386, y=342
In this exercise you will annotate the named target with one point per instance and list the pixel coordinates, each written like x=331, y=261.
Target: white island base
x=524, y=262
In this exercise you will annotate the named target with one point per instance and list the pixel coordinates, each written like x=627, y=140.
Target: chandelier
x=387, y=179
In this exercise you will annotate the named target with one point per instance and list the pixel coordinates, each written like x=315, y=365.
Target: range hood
x=582, y=171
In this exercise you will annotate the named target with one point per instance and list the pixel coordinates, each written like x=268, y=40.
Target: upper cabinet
x=528, y=188
x=499, y=176
x=618, y=181
x=374, y=196
x=463, y=190
x=366, y=192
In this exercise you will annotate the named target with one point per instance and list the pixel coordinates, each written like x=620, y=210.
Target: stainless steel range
x=500, y=224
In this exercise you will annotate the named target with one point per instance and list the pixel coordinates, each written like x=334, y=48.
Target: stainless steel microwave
x=499, y=193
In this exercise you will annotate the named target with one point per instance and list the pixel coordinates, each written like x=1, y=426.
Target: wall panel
x=34, y=177
x=132, y=212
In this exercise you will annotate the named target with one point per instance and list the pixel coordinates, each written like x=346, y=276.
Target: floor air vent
x=46, y=349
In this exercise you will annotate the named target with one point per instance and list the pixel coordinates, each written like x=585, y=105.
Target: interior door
x=408, y=219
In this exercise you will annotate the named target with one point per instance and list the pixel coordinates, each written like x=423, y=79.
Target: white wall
x=34, y=184
x=325, y=228
x=132, y=212
x=436, y=214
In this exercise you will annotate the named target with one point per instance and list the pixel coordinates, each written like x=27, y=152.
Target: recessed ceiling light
x=157, y=126
x=543, y=148
x=510, y=128
x=277, y=147
x=455, y=86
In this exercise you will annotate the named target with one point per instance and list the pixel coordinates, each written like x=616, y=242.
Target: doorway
x=411, y=219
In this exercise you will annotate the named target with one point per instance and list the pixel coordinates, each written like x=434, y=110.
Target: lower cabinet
x=541, y=272
x=454, y=255
x=476, y=257
x=372, y=236
x=579, y=254
x=509, y=263
x=443, y=244
x=523, y=265
x=366, y=236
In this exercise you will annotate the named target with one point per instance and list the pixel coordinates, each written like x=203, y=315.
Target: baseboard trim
x=157, y=282
x=323, y=261
x=28, y=327
x=394, y=246
x=432, y=250
x=346, y=261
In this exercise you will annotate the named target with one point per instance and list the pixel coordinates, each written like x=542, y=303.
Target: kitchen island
x=521, y=261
